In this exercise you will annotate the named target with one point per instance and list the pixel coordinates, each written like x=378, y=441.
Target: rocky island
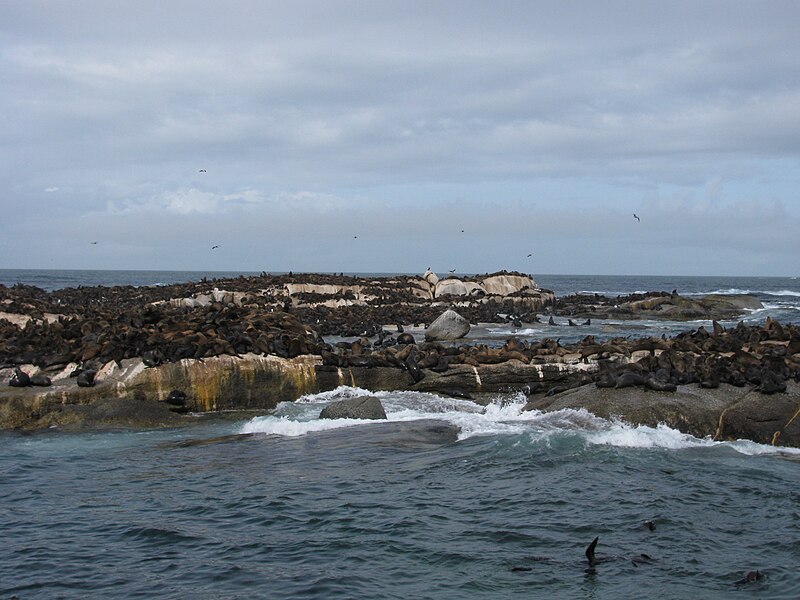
x=145, y=356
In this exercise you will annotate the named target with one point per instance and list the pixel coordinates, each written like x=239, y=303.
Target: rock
x=764, y=419
x=113, y=413
x=725, y=413
x=690, y=409
x=450, y=287
x=448, y=326
x=431, y=277
x=505, y=285
x=362, y=407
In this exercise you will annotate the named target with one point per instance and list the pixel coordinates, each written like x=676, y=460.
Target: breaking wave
x=505, y=416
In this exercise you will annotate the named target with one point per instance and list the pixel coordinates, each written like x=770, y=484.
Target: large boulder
x=362, y=407
x=766, y=419
x=455, y=287
x=448, y=326
x=431, y=277
x=505, y=285
x=724, y=413
x=690, y=409
x=450, y=287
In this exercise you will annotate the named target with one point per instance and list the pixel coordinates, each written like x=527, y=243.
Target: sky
x=395, y=136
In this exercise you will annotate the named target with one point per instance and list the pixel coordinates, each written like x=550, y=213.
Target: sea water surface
x=284, y=505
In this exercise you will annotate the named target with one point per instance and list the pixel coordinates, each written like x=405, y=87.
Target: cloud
x=399, y=116
x=50, y=189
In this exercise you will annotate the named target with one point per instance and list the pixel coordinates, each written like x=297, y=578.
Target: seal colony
x=251, y=342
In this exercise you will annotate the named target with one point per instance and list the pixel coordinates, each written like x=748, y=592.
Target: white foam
x=505, y=416
x=623, y=435
x=340, y=393
x=505, y=331
x=292, y=428
x=739, y=292
x=784, y=293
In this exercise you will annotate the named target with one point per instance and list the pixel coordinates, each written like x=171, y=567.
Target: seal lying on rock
x=19, y=379
x=41, y=380
x=86, y=378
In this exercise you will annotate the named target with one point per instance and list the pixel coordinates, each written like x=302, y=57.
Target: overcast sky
x=365, y=136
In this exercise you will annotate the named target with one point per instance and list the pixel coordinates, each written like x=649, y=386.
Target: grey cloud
x=333, y=103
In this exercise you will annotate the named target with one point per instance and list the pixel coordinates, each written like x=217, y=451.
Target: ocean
x=283, y=505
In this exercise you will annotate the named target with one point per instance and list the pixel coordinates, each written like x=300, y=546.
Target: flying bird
x=635, y=216
x=202, y=171
x=529, y=255
x=94, y=243
x=215, y=247
x=355, y=237
x=452, y=270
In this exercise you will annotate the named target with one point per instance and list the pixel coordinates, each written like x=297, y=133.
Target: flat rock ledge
x=724, y=413
x=212, y=385
x=136, y=396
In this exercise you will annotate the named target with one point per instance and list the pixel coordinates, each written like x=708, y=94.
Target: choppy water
x=302, y=508
x=345, y=509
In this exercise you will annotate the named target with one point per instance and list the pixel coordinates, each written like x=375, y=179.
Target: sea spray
x=504, y=416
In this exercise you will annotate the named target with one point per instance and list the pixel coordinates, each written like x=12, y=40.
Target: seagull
x=529, y=255
x=452, y=270
x=462, y=231
x=94, y=243
x=635, y=216
x=355, y=237
x=215, y=247
x=202, y=171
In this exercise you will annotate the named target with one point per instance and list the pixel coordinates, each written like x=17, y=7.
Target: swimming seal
x=750, y=577
x=590, y=553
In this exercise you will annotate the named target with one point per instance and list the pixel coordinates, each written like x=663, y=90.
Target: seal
x=750, y=577
x=629, y=379
x=411, y=366
x=590, y=552
x=41, y=380
x=406, y=338
x=86, y=378
x=19, y=379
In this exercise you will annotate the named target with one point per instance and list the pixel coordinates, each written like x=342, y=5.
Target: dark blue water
x=363, y=513
x=313, y=509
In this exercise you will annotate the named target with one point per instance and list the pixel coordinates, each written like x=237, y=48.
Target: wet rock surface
x=248, y=343
x=363, y=407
